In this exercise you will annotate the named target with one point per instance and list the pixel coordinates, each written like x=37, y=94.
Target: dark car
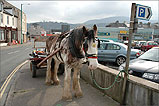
x=146, y=66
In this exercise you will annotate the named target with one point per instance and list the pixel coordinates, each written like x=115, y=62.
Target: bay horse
x=78, y=46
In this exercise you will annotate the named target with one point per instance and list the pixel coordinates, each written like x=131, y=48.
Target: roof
x=4, y=11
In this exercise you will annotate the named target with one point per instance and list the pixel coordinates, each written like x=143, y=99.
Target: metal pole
x=132, y=18
x=21, y=25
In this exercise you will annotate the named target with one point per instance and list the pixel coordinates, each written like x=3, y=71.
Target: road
x=10, y=57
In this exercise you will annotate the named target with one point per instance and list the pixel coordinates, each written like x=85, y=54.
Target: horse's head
x=91, y=47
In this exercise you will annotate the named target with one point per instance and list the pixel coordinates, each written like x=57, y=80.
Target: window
x=7, y=19
x=13, y=21
x=113, y=47
x=1, y=18
x=1, y=6
x=2, y=37
x=102, y=46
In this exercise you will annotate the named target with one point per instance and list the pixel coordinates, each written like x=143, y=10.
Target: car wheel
x=31, y=66
x=33, y=70
x=120, y=60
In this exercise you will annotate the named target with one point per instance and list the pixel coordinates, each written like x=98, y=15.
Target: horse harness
x=74, y=51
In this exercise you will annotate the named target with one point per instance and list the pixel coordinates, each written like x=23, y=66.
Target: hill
x=100, y=22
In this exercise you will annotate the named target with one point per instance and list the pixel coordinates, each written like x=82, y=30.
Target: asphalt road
x=11, y=57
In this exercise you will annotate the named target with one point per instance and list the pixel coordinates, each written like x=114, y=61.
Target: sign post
x=137, y=12
x=128, y=49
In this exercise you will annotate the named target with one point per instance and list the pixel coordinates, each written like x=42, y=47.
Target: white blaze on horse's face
x=92, y=49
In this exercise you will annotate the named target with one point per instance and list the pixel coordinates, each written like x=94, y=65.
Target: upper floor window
x=1, y=6
x=7, y=19
x=13, y=21
x=1, y=18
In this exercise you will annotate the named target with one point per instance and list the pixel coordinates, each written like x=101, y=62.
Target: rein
x=115, y=80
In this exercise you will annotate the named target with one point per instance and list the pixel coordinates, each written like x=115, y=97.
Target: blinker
x=98, y=43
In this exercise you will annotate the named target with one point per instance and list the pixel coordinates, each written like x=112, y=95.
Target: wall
x=10, y=21
x=139, y=92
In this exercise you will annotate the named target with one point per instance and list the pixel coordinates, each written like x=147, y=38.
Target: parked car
x=105, y=40
x=148, y=45
x=115, y=52
x=156, y=40
x=133, y=44
x=139, y=44
x=146, y=66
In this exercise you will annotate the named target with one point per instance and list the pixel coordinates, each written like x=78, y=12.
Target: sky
x=80, y=11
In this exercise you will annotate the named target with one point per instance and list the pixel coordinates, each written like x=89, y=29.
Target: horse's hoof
x=78, y=94
x=68, y=98
x=48, y=83
x=56, y=82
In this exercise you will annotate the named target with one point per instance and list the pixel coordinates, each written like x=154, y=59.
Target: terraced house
x=10, y=24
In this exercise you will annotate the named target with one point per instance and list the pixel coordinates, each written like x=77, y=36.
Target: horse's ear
x=84, y=30
x=95, y=27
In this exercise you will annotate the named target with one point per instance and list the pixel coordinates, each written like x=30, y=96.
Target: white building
x=10, y=23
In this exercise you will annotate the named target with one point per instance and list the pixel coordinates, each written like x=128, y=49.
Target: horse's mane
x=76, y=40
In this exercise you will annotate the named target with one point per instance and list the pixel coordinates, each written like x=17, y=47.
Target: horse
x=77, y=47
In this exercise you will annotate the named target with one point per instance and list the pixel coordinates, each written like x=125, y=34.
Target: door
x=101, y=52
x=112, y=51
x=108, y=52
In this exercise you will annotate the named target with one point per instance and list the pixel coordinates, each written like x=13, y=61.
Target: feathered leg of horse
x=67, y=83
x=48, y=73
x=76, y=84
x=54, y=74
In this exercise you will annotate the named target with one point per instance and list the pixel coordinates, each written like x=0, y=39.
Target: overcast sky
x=80, y=11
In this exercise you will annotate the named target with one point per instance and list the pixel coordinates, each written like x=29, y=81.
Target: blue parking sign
x=141, y=12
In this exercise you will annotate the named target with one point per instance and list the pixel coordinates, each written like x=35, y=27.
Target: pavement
x=28, y=91
x=3, y=44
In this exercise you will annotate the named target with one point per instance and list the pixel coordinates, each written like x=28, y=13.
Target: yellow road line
x=9, y=78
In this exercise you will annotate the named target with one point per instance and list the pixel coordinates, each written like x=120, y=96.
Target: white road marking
x=13, y=52
x=26, y=48
x=4, y=86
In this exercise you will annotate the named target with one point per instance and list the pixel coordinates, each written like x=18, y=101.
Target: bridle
x=85, y=39
x=85, y=48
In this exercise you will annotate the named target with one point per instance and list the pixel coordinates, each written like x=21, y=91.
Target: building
x=10, y=26
x=117, y=24
x=121, y=34
x=120, y=31
x=35, y=30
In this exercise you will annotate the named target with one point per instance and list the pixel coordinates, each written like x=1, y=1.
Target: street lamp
x=22, y=22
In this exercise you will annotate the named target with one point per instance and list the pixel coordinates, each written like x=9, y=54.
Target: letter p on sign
x=141, y=12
